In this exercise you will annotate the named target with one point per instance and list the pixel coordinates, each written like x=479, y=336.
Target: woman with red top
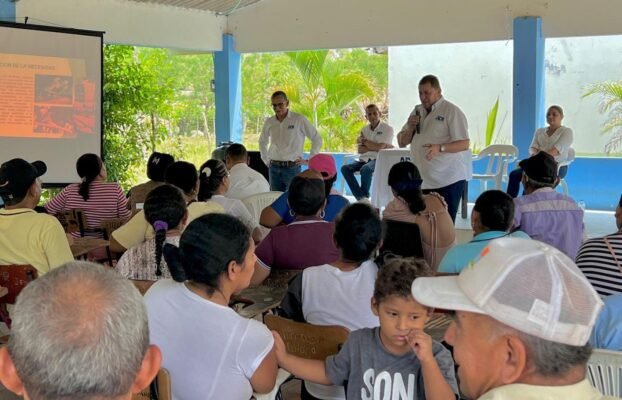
x=97, y=198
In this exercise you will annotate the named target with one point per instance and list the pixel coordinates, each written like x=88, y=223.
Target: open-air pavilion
x=229, y=28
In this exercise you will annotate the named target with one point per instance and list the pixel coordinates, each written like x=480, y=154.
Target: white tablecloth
x=380, y=191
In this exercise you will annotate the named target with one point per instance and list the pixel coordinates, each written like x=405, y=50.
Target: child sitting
x=397, y=360
x=338, y=293
x=165, y=211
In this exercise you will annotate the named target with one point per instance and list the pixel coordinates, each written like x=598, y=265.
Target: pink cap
x=324, y=164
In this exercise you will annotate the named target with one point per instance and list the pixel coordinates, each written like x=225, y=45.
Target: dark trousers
x=515, y=177
x=452, y=195
x=280, y=177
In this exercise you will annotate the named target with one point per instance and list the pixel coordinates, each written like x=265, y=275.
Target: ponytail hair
x=405, y=180
x=211, y=175
x=88, y=166
x=207, y=246
x=164, y=209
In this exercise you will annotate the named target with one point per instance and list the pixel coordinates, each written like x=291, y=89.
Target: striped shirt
x=599, y=266
x=106, y=200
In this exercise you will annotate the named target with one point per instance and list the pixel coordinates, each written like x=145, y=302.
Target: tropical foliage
x=610, y=103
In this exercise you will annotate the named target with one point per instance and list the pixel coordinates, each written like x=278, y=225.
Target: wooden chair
x=159, y=389
x=304, y=340
x=402, y=239
x=14, y=278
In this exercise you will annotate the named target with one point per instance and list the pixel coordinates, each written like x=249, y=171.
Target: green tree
x=611, y=103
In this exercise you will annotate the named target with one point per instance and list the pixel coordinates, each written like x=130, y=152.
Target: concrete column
x=528, y=89
x=227, y=74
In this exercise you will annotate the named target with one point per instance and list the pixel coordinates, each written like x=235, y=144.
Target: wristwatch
x=442, y=148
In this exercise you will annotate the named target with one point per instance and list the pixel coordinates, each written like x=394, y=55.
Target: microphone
x=418, y=126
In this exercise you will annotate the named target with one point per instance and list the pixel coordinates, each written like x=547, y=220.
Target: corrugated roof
x=217, y=6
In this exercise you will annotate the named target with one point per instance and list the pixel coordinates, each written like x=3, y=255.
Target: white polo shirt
x=446, y=123
x=245, y=181
x=284, y=140
x=382, y=134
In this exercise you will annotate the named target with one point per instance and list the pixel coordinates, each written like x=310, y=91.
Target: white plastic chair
x=604, y=371
x=257, y=202
x=499, y=157
x=569, y=160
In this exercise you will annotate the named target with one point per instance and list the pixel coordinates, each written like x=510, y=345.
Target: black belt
x=284, y=163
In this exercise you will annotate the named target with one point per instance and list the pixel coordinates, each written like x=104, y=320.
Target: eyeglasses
x=278, y=105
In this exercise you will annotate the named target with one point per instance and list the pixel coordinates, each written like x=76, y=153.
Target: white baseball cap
x=525, y=284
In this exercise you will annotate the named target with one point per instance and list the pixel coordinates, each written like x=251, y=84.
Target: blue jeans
x=452, y=195
x=367, y=171
x=280, y=177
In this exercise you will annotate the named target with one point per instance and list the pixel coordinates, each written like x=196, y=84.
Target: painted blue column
x=528, y=89
x=7, y=11
x=227, y=74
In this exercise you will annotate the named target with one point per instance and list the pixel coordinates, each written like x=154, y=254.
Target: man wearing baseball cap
x=544, y=214
x=279, y=211
x=27, y=237
x=523, y=316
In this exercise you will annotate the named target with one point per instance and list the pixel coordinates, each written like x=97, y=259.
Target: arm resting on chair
x=309, y=370
x=264, y=377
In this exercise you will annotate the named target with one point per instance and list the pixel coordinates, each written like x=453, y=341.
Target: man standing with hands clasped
x=285, y=133
x=437, y=132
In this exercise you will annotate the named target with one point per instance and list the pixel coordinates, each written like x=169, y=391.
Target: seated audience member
x=491, y=218
x=523, y=317
x=398, y=358
x=79, y=332
x=27, y=237
x=339, y=293
x=156, y=167
x=544, y=214
x=428, y=211
x=165, y=211
x=373, y=137
x=600, y=259
x=305, y=242
x=213, y=184
x=607, y=333
x=244, y=181
x=280, y=211
x=182, y=175
x=554, y=139
x=210, y=351
x=97, y=198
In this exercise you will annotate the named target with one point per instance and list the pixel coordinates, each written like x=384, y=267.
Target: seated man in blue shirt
x=491, y=218
x=280, y=212
x=607, y=333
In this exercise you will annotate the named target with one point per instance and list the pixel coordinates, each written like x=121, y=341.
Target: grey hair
x=79, y=332
x=549, y=359
x=552, y=359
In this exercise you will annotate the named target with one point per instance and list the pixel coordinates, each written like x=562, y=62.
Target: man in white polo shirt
x=437, y=132
x=282, y=142
x=373, y=138
x=243, y=180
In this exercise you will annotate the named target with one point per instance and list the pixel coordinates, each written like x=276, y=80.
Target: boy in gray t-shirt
x=398, y=360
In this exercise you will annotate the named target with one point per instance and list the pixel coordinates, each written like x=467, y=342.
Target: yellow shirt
x=519, y=391
x=137, y=229
x=27, y=237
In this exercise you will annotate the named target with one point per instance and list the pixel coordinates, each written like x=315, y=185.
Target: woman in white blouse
x=555, y=139
x=213, y=184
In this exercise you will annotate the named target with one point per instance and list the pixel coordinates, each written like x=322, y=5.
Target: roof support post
x=7, y=11
x=228, y=88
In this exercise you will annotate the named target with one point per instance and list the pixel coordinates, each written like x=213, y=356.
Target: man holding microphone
x=437, y=132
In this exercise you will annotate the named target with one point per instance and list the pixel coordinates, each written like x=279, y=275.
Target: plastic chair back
x=604, y=371
x=499, y=157
x=257, y=202
x=402, y=239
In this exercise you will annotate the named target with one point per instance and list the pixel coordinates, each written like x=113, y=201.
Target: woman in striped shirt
x=600, y=259
x=97, y=198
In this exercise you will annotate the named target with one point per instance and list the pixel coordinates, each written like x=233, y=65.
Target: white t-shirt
x=446, y=123
x=245, y=181
x=236, y=208
x=561, y=139
x=382, y=134
x=331, y=296
x=210, y=351
x=287, y=138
